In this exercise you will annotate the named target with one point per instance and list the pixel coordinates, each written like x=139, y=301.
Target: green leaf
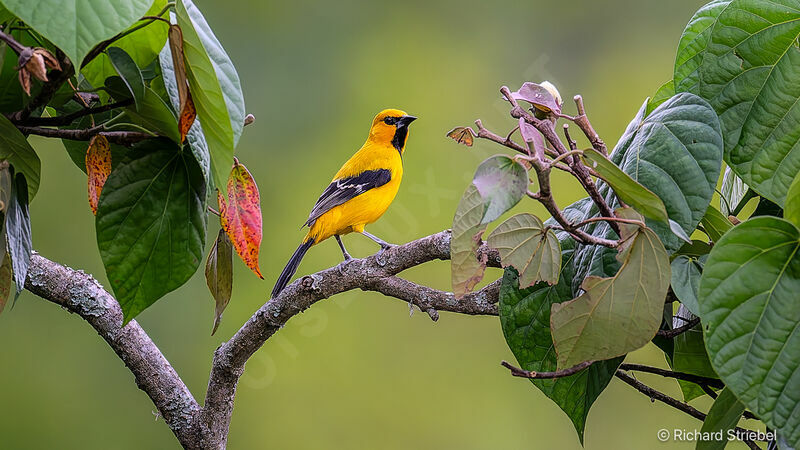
x=142, y=45
x=219, y=275
x=195, y=137
x=675, y=152
x=78, y=25
x=155, y=115
x=732, y=192
x=792, y=210
x=693, y=45
x=502, y=183
x=750, y=74
x=723, y=416
x=18, y=231
x=525, y=317
x=527, y=245
x=626, y=188
x=151, y=224
x=215, y=88
x=689, y=354
x=715, y=224
x=618, y=314
x=15, y=149
x=664, y=93
x=129, y=72
x=465, y=269
x=686, y=281
x=748, y=305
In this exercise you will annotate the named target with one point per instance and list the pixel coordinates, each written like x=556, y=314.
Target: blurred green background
x=354, y=371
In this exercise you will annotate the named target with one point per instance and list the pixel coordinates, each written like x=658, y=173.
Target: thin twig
x=666, y=399
x=609, y=219
x=517, y=372
x=713, y=382
x=67, y=119
x=572, y=144
x=669, y=334
x=115, y=137
x=12, y=43
x=583, y=123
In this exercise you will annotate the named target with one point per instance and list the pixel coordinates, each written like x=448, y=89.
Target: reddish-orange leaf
x=240, y=215
x=98, y=167
x=187, y=117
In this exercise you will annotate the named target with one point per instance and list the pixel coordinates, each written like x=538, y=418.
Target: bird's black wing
x=344, y=189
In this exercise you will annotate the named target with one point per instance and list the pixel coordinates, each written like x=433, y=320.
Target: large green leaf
x=15, y=149
x=142, y=45
x=750, y=74
x=153, y=113
x=525, y=317
x=723, y=416
x=151, y=224
x=675, y=152
x=527, y=245
x=618, y=314
x=75, y=26
x=215, y=88
x=715, y=224
x=693, y=45
x=749, y=307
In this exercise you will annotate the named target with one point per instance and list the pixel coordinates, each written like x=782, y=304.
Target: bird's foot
x=379, y=257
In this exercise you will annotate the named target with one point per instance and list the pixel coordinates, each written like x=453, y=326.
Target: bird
x=359, y=193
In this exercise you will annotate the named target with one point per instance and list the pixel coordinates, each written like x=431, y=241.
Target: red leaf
x=187, y=117
x=240, y=215
x=98, y=167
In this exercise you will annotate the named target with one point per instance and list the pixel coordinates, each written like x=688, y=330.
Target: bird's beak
x=405, y=120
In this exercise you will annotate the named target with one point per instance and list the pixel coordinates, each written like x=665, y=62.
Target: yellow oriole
x=360, y=192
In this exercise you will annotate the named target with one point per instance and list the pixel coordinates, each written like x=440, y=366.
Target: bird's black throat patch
x=399, y=139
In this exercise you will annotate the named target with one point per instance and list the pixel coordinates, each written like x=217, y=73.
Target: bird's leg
x=346, y=255
x=384, y=245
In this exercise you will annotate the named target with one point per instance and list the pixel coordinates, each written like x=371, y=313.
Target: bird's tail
x=291, y=266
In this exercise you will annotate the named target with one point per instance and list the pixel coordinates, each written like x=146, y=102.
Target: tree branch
x=56, y=78
x=713, y=382
x=375, y=272
x=517, y=372
x=115, y=137
x=670, y=334
x=69, y=118
x=81, y=294
x=207, y=426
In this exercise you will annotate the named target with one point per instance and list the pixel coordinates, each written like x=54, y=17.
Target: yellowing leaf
x=466, y=270
x=619, y=314
x=98, y=167
x=219, y=275
x=527, y=245
x=240, y=215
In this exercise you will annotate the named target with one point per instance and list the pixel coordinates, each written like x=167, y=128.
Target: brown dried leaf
x=178, y=62
x=25, y=80
x=98, y=167
x=219, y=275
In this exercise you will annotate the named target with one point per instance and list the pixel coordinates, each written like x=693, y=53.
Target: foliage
x=126, y=86
x=732, y=99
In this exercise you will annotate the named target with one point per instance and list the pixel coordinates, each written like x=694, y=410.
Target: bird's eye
x=390, y=120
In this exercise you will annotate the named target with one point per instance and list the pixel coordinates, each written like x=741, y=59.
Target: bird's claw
x=379, y=256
